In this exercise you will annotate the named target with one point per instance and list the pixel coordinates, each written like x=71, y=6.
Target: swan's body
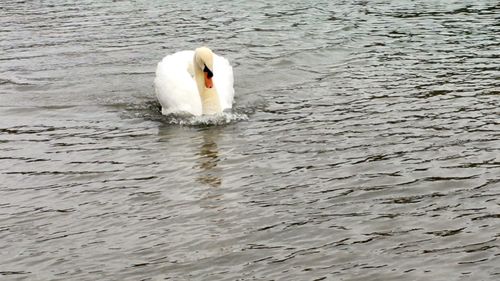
x=184, y=83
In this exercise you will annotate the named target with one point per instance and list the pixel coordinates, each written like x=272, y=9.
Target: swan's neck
x=209, y=99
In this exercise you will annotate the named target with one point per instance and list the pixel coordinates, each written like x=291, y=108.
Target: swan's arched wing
x=223, y=80
x=175, y=87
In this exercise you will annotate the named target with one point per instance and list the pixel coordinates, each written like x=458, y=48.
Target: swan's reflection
x=209, y=158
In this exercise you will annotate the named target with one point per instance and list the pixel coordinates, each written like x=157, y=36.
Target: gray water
x=363, y=145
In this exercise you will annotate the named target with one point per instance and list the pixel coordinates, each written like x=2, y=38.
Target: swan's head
x=204, y=58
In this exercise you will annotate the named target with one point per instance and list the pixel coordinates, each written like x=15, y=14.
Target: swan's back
x=176, y=88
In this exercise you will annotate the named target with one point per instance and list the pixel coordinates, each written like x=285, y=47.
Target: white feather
x=176, y=88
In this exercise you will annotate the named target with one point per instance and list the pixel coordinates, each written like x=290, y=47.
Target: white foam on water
x=205, y=120
x=151, y=110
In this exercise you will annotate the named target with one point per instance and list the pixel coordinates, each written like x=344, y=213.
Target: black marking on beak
x=210, y=74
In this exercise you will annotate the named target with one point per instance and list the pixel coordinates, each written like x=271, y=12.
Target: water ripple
x=363, y=143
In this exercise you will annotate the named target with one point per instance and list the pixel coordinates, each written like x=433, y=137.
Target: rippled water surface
x=364, y=143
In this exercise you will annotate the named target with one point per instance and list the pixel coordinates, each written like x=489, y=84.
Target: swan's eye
x=208, y=71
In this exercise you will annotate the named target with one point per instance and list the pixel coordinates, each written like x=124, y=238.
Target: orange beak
x=208, y=81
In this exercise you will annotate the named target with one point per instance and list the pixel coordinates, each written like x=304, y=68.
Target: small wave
x=151, y=110
x=13, y=81
x=206, y=120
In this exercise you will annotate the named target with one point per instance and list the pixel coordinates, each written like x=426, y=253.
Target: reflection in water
x=206, y=155
x=209, y=157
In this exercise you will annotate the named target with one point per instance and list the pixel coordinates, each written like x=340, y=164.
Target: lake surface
x=363, y=144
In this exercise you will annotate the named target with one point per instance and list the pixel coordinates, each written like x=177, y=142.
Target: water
x=364, y=144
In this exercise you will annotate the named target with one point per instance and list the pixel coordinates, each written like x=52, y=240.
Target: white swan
x=184, y=83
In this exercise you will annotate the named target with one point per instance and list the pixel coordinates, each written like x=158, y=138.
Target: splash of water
x=206, y=120
x=151, y=110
